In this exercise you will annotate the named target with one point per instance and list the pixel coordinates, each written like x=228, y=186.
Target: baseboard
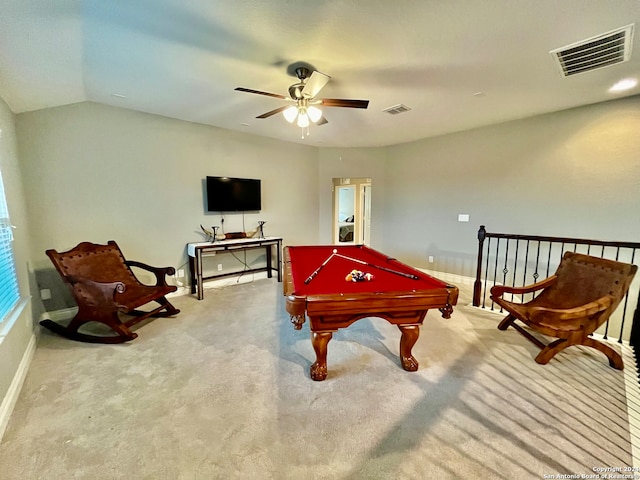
x=449, y=277
x=10, y=399
x=239, y=278
x=226, y=281
x=182, y=290
x=62, y=314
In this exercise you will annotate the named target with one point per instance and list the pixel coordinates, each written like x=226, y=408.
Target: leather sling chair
x=571, y=304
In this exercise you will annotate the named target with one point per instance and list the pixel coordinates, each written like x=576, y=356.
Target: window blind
x=9, y=293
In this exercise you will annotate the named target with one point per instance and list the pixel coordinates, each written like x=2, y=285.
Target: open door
x=352, y=211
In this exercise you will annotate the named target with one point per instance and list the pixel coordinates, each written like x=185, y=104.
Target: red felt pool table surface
x=331, y=277
x=315, y=286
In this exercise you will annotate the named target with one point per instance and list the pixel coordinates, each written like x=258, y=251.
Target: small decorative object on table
x=211, y=235
x=234, y=235
x=260, y=230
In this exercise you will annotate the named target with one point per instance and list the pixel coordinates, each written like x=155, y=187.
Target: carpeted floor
x=223, y=392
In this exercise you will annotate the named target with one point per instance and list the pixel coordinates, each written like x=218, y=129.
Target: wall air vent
x=595, y=52
x=396, y=109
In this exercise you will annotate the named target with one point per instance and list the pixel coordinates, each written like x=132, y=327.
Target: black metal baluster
x=524, y=275
x=486, y=274
x=495, y=268
x=505, y=269
x=515, y=266
x=626, y=298
x=535, y=272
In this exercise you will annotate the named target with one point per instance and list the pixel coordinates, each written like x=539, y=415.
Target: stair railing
x=519, y=260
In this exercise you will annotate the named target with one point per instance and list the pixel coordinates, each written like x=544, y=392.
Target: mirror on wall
x=352, y=210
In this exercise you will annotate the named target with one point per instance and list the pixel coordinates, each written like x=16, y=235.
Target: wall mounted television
x=226, y=194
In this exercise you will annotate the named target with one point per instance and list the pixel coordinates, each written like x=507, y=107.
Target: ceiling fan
x=306, y=107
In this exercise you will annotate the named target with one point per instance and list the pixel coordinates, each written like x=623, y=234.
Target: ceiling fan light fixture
x=290, y=113
x=303, y=119
x=303, y=95
x=314, y=113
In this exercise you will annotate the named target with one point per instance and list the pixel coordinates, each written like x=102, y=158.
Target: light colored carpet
x=222, y=391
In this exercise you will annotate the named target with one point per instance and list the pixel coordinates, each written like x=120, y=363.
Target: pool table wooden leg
x=319, y=340
x=410, y=334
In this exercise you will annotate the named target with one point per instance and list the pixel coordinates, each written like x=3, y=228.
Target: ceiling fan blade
x=314, y=84
x=338, y=102
x=322, y=121
x=248, y=90
x=273, y=112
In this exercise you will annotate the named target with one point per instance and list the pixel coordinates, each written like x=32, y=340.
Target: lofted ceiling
x=457, y=64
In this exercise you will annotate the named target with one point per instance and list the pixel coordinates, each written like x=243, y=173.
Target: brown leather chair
x=571, y=305
x=104, y=287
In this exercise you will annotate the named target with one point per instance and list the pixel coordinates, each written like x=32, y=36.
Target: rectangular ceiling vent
x=595, y=52
x=396, y=109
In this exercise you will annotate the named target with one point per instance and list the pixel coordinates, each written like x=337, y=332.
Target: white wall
x=17, y=339
x=95, y=173
x=574, y=173
x=352, y=162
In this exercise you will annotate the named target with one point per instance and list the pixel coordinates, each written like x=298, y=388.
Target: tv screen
x=225, y=194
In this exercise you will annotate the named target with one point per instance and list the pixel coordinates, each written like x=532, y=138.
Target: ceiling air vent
x=595, y=52
x=396, y=109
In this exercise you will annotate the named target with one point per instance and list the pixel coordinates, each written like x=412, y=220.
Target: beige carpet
x=223, y=392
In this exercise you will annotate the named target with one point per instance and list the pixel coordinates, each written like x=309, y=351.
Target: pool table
x=316, y=285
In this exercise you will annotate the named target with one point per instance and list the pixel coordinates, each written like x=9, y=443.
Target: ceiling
x=458, y=64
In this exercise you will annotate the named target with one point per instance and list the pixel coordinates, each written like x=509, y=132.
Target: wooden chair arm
x=103, y=294
x=550, y=315
x=499, y=290
x=160, y=272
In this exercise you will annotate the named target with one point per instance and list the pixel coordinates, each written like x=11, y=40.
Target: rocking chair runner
x=104, y=286
x=573, y=303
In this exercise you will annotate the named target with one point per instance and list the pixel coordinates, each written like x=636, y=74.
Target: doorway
x=352, y=211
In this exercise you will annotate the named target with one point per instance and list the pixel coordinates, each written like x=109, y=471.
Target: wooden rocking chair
x=572, y=304
x=104, y=286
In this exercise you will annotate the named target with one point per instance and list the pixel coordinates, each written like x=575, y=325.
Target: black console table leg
x=192, y=274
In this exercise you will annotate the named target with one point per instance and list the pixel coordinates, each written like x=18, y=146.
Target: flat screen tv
x=226, y=194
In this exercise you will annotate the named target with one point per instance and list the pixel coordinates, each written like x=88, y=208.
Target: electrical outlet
x=219, y=267
x=181, y=273
x=45, y=294
x=430, y=259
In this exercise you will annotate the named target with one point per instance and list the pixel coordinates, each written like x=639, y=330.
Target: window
x=9, y=293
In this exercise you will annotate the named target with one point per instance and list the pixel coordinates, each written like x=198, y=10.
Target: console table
x=196, y=251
